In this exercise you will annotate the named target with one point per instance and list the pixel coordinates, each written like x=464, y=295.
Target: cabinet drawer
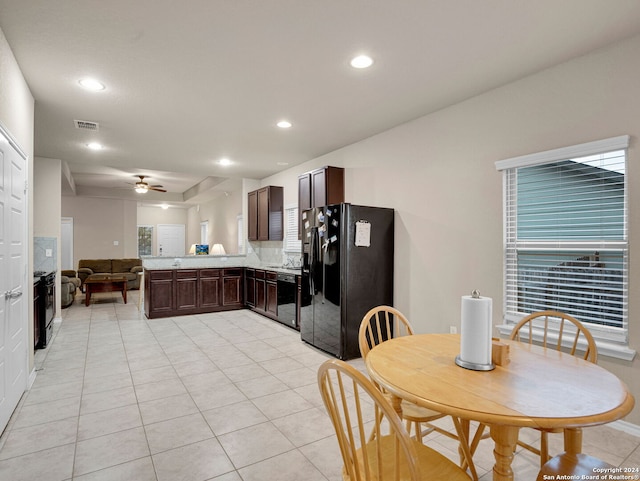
x=250, y=273
x=160, y=275
x=232, y=273
x=272, y=276
x=260, y=274
x=209, y=273
x=186, y=274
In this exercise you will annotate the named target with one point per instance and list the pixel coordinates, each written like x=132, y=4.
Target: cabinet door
x=260, y=294
x=271, y=302
x=252, y=221
x=186, y=289
x=263, y=214
x=319, y=189
x=250, y=288
x=159, y=292
x=232, y=287
x=209, y=288
x=327, y=186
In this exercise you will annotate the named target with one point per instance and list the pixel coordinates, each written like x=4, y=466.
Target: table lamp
x=217, y=250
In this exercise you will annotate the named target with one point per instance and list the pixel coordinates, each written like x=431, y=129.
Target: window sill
x=607, y=349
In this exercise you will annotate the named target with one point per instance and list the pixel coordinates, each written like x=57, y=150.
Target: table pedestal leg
x=573, y=440
x=505, y=439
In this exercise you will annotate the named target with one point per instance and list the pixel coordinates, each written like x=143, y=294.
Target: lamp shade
x=192, y=250
x=218, y=250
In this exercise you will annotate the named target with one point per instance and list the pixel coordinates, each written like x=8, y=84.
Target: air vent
x=86, y=125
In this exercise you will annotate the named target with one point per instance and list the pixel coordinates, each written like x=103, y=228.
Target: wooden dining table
x=537, y=388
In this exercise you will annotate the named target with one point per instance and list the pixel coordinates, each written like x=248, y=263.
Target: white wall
x=47, y=190
x=16, y=115
x=438, y=173
x=98, y=224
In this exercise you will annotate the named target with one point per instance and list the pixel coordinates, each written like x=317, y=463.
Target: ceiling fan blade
x=156, y=189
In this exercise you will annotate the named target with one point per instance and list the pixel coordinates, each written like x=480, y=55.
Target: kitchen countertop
x=270, y=267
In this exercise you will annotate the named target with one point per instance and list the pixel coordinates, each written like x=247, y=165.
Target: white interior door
x=67, y=243
x=171, y=238
x=13, y=280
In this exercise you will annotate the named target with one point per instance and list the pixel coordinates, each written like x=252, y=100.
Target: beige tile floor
x=227, y=396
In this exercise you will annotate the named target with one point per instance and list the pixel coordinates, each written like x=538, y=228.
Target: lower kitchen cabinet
x=232, y=288
x=264, y=286
x=177, y=292
x=250, y=287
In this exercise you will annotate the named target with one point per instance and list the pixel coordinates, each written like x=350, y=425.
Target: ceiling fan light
x=141, y=189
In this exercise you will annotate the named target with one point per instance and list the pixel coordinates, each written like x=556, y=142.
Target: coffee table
x=97, y=283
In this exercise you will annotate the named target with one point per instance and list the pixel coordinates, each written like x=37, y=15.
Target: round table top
x=538, y=388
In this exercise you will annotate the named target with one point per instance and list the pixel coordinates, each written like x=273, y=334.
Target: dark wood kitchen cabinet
x=271, y=300
x=178, y=292
x=265, y=289
x=250, y=287
x=158, y=293
x=266, y=210
x=319, y=187
x=209, y=288
x=232, y=288
x=186, y=290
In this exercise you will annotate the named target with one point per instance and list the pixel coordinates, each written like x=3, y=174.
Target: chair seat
x=433, y=465
x=571, y=465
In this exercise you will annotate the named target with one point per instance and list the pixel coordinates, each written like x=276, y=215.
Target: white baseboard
x=32, y=378
x=626, y=427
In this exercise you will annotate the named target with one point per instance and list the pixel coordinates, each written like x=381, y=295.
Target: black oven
x=288, y=300
x=46, y=306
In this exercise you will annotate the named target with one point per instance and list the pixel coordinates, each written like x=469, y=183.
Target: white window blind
x=291, y=241
x=565, y=227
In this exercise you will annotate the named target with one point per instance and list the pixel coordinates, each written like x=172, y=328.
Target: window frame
x=611, y=341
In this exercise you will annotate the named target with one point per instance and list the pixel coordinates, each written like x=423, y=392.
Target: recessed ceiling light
x=225, y=162
x=164, y=206
x=95, y=146
x=361, y=61
x=284, y=124
x=91, y=84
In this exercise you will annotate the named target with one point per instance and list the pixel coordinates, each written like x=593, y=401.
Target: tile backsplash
x=45, y=254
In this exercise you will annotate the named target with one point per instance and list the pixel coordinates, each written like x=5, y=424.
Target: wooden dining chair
x=573, y=466
x=381, y=324
x=353, y=403
x=562, y=332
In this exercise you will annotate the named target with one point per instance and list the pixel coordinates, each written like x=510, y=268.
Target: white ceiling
x=190, y=82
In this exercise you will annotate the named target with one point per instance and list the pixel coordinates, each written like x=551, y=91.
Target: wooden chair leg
x=463, y=436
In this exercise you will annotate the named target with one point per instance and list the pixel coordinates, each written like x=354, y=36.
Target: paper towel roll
x=475, y=331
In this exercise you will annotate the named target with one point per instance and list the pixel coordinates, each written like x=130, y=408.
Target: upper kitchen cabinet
x=320, y=187
x=266, y=214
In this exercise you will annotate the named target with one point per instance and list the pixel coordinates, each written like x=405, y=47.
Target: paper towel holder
x=474, y=366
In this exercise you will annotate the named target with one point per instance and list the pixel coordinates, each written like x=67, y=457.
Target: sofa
x=128, y=268
x=69, y=284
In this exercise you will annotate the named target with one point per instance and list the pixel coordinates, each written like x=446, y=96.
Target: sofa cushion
x=96, y=265
x=124, y=265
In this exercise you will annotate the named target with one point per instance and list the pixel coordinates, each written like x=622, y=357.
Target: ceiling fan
x=142, y=187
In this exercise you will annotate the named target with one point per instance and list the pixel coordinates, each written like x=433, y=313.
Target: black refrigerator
x=347, y=269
